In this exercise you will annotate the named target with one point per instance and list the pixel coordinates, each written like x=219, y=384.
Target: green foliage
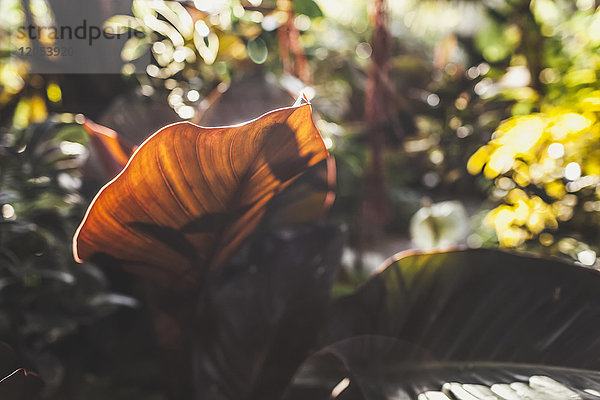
x=44, y=296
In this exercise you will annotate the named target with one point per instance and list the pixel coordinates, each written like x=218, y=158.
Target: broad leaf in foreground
x=189, y=195
x=436, y=324
x=378, y=367
x=480, y=305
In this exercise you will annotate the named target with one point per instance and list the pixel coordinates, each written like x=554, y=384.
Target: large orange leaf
x=190, y=195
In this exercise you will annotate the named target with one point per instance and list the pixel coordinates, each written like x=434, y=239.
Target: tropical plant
x=220, y=224
x=188, y=201
x=220, y=234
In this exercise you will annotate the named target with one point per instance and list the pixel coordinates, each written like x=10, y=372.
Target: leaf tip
x=302, y=100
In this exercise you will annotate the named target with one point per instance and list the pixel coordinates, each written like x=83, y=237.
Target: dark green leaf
x=378, y=367
x=474, y=317
x=480, y=305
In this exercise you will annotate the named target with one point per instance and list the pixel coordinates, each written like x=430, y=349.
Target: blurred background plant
x=544, y=160
x=45, y=296
x=489, y=137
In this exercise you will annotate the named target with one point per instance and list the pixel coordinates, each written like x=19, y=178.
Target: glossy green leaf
x=378, y=367
x=469, y=324
x=480, y=305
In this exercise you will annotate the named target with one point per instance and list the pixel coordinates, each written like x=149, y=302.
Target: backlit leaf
x=191, y=195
